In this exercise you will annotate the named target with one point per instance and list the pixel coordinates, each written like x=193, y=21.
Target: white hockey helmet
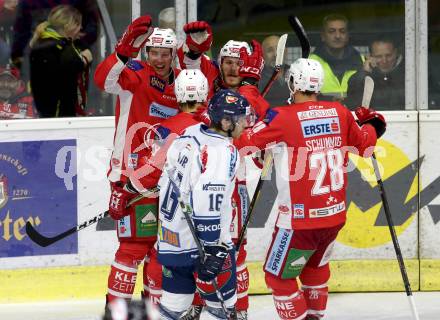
x=305, y=75
x=191, y=85
x=162, y=38
x=232, y=49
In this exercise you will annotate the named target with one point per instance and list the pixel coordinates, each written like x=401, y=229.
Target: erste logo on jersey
x=320, y=127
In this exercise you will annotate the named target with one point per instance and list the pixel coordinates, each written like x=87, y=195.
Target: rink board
x=363, y=247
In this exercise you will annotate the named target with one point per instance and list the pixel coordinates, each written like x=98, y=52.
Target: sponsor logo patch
x=327, y=211
x=168, y=236
x=160, y=111
x=313, y=114
x=157, y=83
x=320, y=127
x=124, y=227
x=278, y=251
x=146, y=220
x=213, y=187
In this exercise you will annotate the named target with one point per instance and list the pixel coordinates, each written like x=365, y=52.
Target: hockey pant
x=123, y=273
x=180, y=283
x=304, y=254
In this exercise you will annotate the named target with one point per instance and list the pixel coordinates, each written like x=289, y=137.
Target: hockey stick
x=187, y=210
x=264, y=172
x=301, y=35
x=305, y=51
x=44, y=241
x=366, y=99
x=281, y=46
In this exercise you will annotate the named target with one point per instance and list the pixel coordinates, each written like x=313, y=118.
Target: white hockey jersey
x=203, y=164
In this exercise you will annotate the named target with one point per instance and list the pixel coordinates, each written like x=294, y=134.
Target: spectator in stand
x=8, y=11
x=32, y=12
x=15, y=101
x=56, y=63
x=339, y=59
x=277, y=94
x=387, y=68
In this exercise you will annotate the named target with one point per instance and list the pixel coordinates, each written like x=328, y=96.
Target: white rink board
x=430, y=179
x=94, y=139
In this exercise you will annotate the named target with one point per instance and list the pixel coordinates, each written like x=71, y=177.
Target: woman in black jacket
x=56, y=63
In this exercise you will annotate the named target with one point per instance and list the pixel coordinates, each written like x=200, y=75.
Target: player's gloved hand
x=134, y=37
x=121, y=195
x=368, y=115
x=252, y=64
x=198, y=36
x=215, y=256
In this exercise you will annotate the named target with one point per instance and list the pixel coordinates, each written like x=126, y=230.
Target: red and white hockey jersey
x=150, y=168
x=144, y=101
x=310, y=142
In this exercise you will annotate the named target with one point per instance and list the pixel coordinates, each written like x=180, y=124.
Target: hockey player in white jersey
x=202, y=165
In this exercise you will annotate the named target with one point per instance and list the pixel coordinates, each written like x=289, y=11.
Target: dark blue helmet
x=227, y=104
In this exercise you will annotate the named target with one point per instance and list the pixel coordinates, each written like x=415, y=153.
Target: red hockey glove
x=134, y=37
x=198, y=36
x=368, y=115
x=252, y=64
x=119, y=199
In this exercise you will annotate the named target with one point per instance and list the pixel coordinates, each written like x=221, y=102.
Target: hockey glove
x=215, y=256
x=370, y=116
x=252, y=64
x=119, y=199
x=134, y=37
x=198, y=36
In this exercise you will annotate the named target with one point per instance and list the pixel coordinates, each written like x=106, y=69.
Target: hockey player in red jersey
x=238, y=67
x=191, y=88
x=15, y=101
x=310, y=142
x=145, y=98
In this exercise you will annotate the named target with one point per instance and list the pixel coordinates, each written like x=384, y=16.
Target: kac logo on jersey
x=298, y=211
x=132, y=160
x=320, y=127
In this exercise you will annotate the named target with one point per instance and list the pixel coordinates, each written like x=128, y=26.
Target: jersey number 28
x=332, y=161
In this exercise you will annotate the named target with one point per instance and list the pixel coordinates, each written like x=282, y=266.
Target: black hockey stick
x=305, y=51
x=279, y=59
x=187, y=211
x=264, y=172
x=366, y=99
x=301, y=35
x=44, y=241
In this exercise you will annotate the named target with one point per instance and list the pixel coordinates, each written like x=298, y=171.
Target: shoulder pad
x=134, y=65
x=270, y=115
x=162, y=133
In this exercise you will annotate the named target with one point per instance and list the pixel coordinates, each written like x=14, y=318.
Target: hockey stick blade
x=368, y=91
x=279, y=60
x=301, y=35
x=44, y=241
x=281, y=47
